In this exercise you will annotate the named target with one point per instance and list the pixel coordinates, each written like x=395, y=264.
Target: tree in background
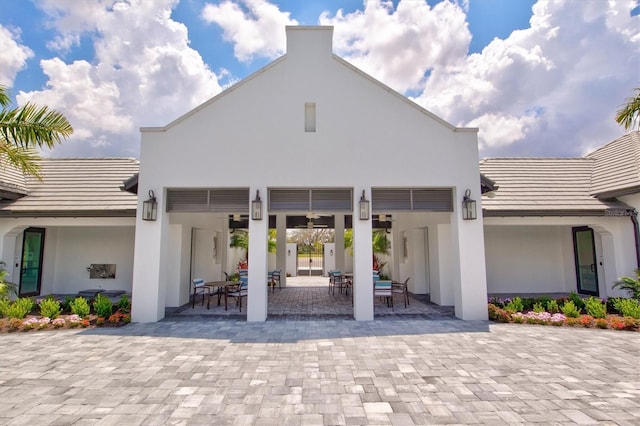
x=240, y=239
x=27, y=127
x=380, y=245
x=629, y=115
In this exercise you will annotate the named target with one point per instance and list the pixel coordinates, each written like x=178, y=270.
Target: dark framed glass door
x=585, y=257
x=31, y=269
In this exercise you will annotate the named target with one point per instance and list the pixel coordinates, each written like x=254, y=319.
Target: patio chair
x=276, y=278
x=401, y=288
x=336, y=279
x=383, y=289
x=199, y=287
x=238, y=291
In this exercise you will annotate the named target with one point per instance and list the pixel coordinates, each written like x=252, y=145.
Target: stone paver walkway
x=331, y=372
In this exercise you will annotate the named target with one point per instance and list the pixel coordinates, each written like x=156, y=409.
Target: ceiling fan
x=312, y=215
x=311, y=225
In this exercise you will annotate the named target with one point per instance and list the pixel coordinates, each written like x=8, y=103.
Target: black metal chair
x=401, y=288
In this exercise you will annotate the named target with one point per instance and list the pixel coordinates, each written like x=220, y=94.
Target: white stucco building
x=312, y=135
x=309, y=132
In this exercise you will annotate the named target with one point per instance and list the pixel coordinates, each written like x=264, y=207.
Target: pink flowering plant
x=573, y=312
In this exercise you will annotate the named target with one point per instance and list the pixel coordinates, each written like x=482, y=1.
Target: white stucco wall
x=78, y=247
x=72, y=244
x=261, y=118
x=528, y=259
x=535, y=254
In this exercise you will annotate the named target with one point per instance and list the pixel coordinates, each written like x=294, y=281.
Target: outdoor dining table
x=220, y=286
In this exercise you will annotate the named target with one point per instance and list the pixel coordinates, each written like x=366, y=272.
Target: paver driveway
x=329, y=372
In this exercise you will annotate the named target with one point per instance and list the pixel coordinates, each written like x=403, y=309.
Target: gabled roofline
x=220, y=95
x=282, y=58
x=405, y=99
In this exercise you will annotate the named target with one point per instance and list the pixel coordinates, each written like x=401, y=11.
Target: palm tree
x=26, y=127
x=240, y=239
x=629, y=115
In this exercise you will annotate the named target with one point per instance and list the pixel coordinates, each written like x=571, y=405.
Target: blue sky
x=538, y=78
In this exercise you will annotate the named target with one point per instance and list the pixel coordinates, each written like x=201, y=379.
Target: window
x=310, y=117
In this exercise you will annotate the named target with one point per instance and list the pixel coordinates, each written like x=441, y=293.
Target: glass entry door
x=585, y=256
x=32, y=251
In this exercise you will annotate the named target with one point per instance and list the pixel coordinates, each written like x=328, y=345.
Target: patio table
x=220, y=286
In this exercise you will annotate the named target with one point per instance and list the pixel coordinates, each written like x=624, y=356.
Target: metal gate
x=311, y=259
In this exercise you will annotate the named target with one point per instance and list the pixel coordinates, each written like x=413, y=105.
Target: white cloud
x=554, y=87
x=14, y=55
x=143, y=74
x=401, y=46
x=255, y=27
x=501, y=130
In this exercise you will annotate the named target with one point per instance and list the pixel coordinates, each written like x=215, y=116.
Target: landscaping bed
x=24, y=315
x=573, y=311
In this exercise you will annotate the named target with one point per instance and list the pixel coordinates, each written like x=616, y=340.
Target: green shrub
x=632, y=285
x=50, y=308
x=552, y=307
x=570, y=310
x=577, y=300
x=595, y=307
x=20, y=308
x=80, y=307
x=102, y=306
x=6, y=288
x=66, y=305
x=542, y=300
x=515, y=305
x=124, y=304
x=538, y=307
x=4, y=306
x=627, y=307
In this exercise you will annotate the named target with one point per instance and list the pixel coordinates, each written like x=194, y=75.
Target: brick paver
x=320, y=372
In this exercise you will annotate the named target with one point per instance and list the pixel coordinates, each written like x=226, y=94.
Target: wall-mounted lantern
x=364, y=207
x=256, y=207
x=468, y=206
x=150, y=207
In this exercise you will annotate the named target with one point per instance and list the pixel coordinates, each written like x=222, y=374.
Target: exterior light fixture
x=150, y=207
x=256, y=207
x=468, y=206
x=364, y=207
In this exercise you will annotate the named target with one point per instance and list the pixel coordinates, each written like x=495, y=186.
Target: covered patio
x=309, y=298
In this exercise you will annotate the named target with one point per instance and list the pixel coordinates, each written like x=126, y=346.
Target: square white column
x=258, y=260
x=362, y=263
x=469, y=269
x=339, y=240
x=281, y=246
x=149, y=264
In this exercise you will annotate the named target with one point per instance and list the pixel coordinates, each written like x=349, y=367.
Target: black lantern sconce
x=256, y=207
x=468, y=206
x=150, y=207
x=364, y=207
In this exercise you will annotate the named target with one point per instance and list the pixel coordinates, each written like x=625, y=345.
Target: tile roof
x=12, y=181
x=543, y=187
x=617, y=168
x=77, y=187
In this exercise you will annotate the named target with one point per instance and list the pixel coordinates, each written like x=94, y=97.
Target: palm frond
x=30, y=125
x=629, y=115
x=5, y=97
x=27, y=160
